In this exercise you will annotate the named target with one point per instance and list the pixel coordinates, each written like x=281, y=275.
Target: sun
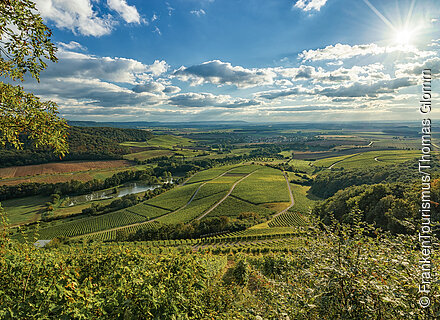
x=403, y=37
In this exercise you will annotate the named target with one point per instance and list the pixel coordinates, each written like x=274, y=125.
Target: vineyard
x=288, y=219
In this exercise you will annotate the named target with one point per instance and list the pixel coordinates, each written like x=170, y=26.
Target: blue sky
x=254, y=60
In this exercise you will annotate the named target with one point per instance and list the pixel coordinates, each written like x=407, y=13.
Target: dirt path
x=375, y=159
x=152, y=220
x=292, y=201
x=342, y=160
x=224, y=198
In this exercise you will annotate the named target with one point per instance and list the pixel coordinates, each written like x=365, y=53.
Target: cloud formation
x=344, y=51
x=128, y=13
x=198, y=13
x=199, y=100
x=81, y=17
x=223, y=73
x=309, y=5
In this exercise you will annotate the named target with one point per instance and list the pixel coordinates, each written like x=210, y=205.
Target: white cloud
x=223, y=73
x=128, y=13
x=72, y=45
x=359, y=89
x=308, y=5
x=82, y=17
x=415, y=69
x=77, y=16
x=200, y=100
x=344, y=51
x=198, y=13
x=157, y=30
x=85, y=66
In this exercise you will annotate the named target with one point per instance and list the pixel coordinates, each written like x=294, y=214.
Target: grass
x=303, y=201
x=267, y=185
x=218, y=185
x=287, y=219
x=174, y=198
x=233, y=207
x=90, y=224
x=161, y=141
x=209, y=174
x=147, y=211
x=195, y=209
x=302, y=165
x=386, y=157
x=327, y=162
x=144, y=155
x=23, y=210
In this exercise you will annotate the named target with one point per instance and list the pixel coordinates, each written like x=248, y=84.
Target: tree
x=25, y=45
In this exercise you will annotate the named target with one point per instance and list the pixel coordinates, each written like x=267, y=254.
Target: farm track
x=164, y=215
x=224, y=198
x=342, y=160
x=292, y=201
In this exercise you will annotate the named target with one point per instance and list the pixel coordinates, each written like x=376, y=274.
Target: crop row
x=91, y=224
x=287, y=219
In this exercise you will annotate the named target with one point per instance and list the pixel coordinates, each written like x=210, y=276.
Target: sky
x=252, y=60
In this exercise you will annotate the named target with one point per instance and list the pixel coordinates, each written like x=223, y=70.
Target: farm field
x=24, y=210
x=144, y=155
x=82, y=176
x=61, y=171
x=377, y=158
x=184, y=203
x=287, y=219
x=91, y=224
x=303, y=201
x=174, y=198
x=161, y=141
x=210, y=174
x=59, y=167
x=233, y=207
x=269, y=185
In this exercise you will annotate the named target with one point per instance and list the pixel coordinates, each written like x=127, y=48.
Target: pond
x=127, y=188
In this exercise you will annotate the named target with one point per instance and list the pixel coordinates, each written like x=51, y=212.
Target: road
x=292, y=201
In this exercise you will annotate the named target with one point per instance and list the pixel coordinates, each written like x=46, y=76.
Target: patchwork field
x=211, y=193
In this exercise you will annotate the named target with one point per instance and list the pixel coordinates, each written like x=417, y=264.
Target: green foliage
x=24, y=44
x=329, y=182
x=392, y=207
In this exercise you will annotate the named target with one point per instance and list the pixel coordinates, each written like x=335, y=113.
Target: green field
x=149, y=212
x=327, y=162
x=303, y=201
x=91, y=224
x=267, y=185
x=174, y=198
x=287, y=219
x=209, y=174
x=233, y=207
x=23, y=210
x=217, y=185
x=144, y=155
x=302, y=165
x=195, y=209
x=161, y=141
x=377, y=158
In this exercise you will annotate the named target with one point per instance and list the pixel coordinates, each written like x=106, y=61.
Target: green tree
x=25, y=45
